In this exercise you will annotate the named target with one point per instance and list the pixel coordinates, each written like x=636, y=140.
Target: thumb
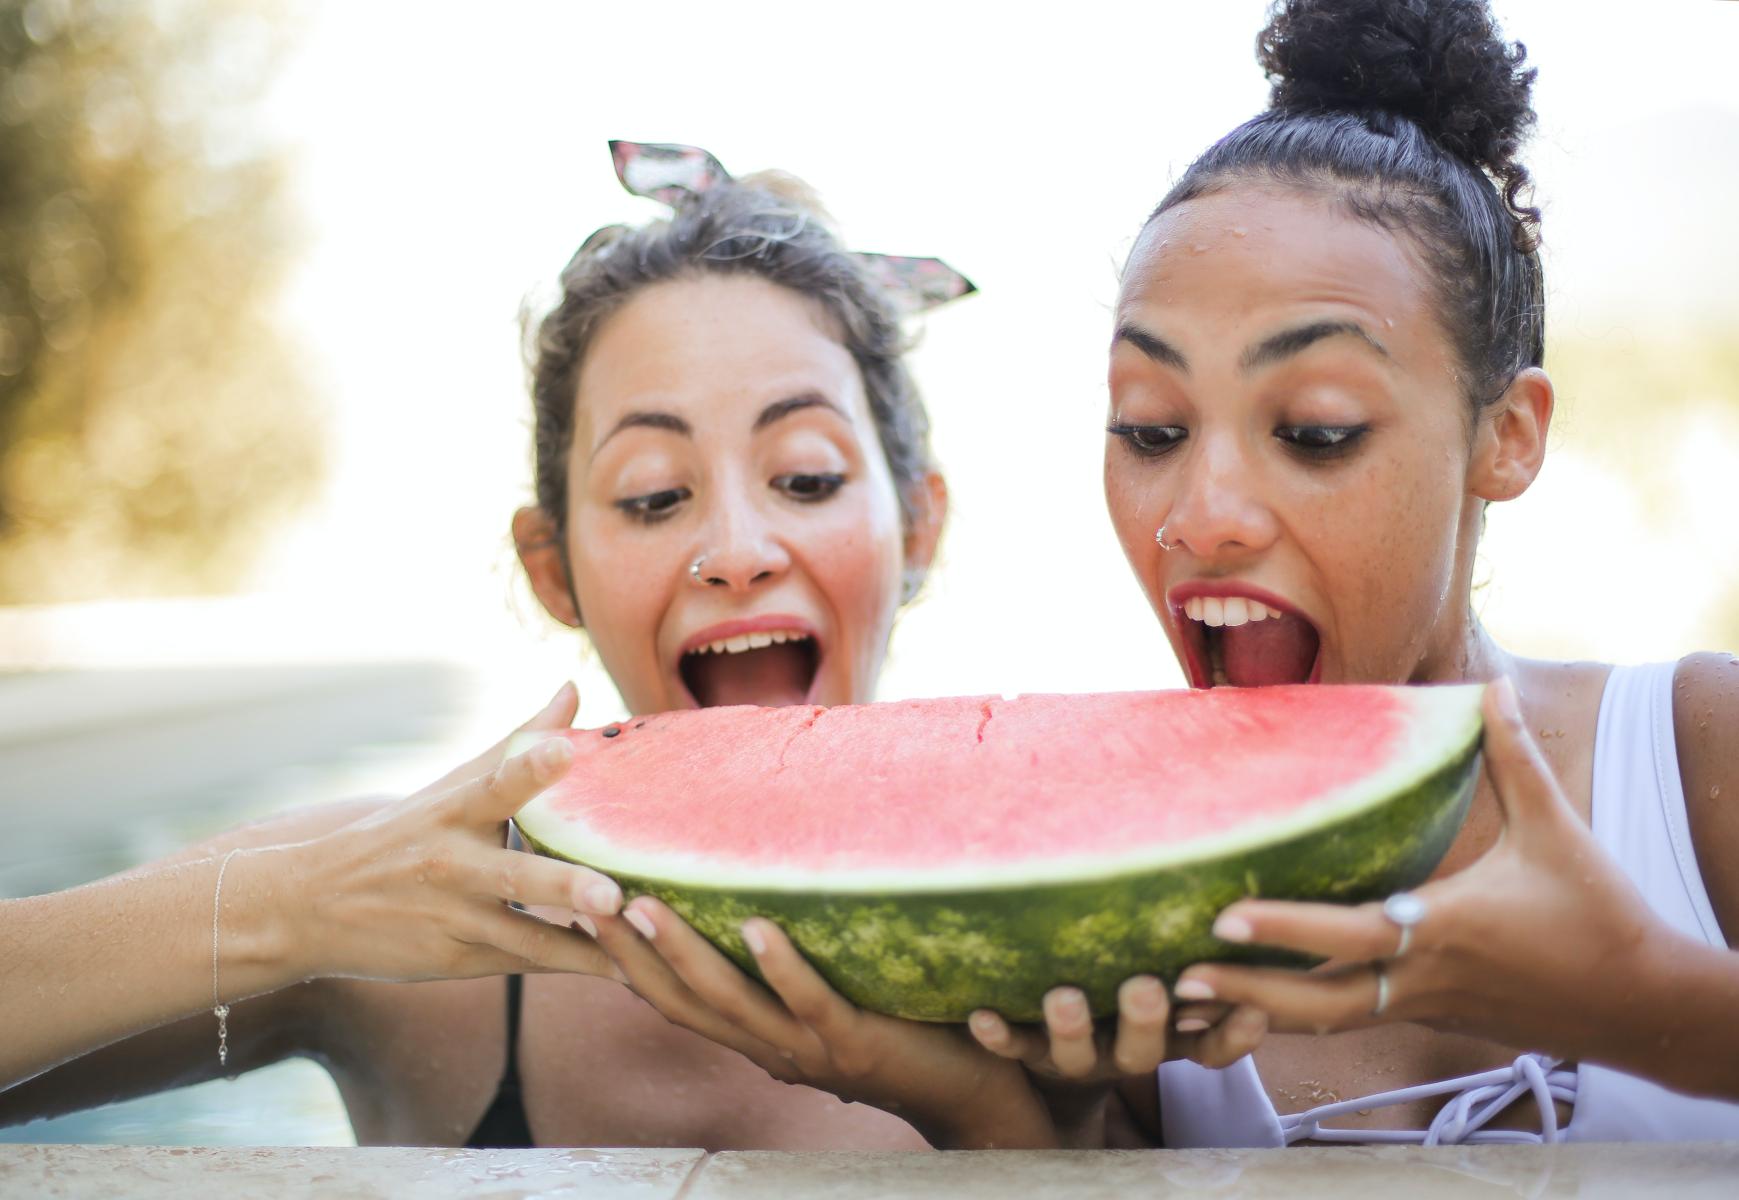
x=1527, y=792
x=558, y=714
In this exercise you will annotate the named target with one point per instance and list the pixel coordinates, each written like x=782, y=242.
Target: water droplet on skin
x=422, y=878
x=1199, y=248
x=1239, y=231
x=1364, y=1112
x=1715, y=792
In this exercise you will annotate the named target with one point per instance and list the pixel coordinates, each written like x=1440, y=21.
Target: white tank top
x=1639, y=819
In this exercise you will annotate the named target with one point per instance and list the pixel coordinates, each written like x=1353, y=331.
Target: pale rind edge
x=1445, y=725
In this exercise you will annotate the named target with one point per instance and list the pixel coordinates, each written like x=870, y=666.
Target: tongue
x=772, y=676
x=1261, y=653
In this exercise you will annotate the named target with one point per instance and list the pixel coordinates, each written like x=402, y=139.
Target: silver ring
x=694, y=570
x=1382, y=1004
x=1160, y=538
x=1405, y=910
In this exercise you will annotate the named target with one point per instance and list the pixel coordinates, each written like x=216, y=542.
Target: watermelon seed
x=612, y=731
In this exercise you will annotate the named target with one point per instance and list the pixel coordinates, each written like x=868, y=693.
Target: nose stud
x=1163, y=544
x=694, y=571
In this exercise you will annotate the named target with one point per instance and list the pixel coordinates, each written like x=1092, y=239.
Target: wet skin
x=1343, y=471
x=1340, y=476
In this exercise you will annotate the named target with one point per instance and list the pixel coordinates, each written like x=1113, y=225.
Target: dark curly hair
x=764, y=225
x=1412, y=112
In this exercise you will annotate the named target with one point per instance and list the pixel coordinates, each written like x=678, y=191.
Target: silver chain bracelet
x=218, y=1008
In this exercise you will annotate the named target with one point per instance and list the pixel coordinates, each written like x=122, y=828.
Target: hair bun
x=1442, y=64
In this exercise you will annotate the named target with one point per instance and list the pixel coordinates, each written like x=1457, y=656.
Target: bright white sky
x=450, y=157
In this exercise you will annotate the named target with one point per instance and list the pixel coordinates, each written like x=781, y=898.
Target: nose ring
x=694, y=571
x=1163, y=544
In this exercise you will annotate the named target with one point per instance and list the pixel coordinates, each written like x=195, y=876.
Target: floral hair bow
x=673, y=174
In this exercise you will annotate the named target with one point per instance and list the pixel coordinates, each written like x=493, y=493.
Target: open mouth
x=770, y=668
x=1241, y=641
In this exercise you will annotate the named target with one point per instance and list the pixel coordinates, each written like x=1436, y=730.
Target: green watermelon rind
x=938, y=955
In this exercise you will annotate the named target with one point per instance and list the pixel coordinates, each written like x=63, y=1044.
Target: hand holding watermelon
x=1542, y=943
x=801, y=1031
x=420, y=889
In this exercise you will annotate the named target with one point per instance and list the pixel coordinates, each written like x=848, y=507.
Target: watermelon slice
x=931, y=857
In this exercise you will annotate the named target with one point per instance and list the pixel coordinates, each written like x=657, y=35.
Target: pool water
x=102, y=770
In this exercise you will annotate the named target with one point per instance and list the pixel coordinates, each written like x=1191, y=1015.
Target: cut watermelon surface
x=931, y=857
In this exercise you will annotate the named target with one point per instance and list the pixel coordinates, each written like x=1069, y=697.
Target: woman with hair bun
x=1327, y=363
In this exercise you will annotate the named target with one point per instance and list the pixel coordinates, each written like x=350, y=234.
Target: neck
x=1473, y=657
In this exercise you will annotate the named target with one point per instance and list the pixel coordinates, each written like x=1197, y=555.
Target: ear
x=929, y=502
x=539, y=543
x=1510, y=438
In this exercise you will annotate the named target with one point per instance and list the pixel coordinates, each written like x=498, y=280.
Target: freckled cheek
x=857, y=560
x=623, y=592
x=1386, y=576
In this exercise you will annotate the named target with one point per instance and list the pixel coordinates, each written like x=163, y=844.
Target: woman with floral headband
x=1326, y=363
x=734, y=495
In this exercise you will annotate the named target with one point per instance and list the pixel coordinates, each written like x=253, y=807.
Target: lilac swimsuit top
x=1639, y=819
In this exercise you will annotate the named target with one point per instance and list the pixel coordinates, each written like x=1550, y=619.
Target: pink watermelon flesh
x=941, y=782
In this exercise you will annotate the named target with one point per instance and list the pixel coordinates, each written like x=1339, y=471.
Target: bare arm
x=93, y=965
x=406, y=890
x=1706, y=724
x=1544, y=942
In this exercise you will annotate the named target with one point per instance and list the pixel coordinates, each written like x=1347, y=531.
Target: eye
x=653, y=506
x=1321, y=441
x=1148, y=441
x=808, y=488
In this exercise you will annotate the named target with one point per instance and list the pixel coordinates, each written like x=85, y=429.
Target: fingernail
x=1191, y=1025
x=1193, y=989
x=554, y=754
x=642, y=922
x=1068, y=1003
x=1507, y=707
x=561, y=694
x=602, y=897
x=1232, y=928
x=984, y=1023
x=586, y=923
x=1143, y=996
x=754, y=939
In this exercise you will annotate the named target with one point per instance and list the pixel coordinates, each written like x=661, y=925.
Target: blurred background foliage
x=153, y=421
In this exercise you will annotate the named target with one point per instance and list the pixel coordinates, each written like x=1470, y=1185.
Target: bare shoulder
x=1706, y=729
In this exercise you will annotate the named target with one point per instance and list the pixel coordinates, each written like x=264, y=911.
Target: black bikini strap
x=510, y=1076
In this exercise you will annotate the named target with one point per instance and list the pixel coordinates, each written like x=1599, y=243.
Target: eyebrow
x=780, y=409
x=646, y=420
x=1293, y=341
x=775, y=411
x=1153, y=346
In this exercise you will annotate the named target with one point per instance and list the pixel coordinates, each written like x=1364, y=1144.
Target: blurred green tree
x=153, y=421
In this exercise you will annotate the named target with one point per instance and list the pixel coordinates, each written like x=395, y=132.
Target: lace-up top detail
x=1639, y=819
x=1461, y=1122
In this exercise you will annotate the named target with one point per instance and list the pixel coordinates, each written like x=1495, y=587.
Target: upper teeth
x=1228, y=610
x=750, y=641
